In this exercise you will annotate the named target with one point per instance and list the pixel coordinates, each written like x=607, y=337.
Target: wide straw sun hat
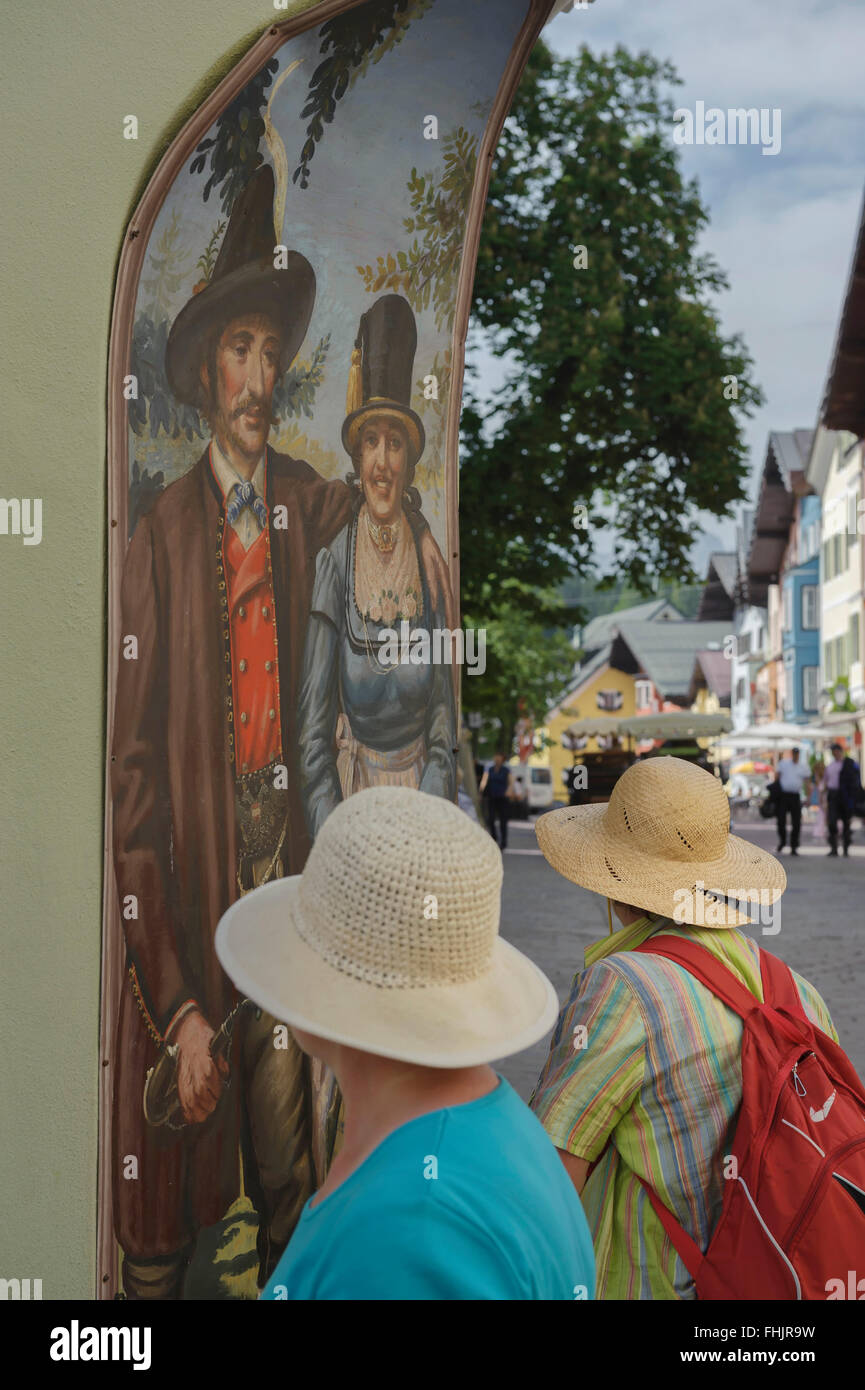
x=662, y=842
x=388, y=941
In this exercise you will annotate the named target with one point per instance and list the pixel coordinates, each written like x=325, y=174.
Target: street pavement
x=822, y=929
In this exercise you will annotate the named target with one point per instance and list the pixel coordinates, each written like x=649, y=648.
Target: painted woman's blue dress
x=362, y=721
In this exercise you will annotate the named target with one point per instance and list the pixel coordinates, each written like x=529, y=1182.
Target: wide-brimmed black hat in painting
x=244, y=281
x=382, y=369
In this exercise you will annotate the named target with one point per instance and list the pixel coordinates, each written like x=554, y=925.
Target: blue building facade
x=800, y=633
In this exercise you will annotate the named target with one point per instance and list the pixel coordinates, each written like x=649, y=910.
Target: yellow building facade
x=582, y=702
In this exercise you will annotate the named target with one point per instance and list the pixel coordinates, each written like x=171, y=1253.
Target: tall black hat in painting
x=382, y=368
x=244, y=281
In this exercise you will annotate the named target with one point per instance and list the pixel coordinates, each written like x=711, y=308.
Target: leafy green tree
x=526, y=660
x=614, y=396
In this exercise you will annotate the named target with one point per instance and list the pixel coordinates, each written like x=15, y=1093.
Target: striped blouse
x=644, y=1074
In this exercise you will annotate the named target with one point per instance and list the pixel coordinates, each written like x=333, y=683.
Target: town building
x=835, y=471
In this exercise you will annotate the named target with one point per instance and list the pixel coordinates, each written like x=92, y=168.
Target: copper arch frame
x=135, y=242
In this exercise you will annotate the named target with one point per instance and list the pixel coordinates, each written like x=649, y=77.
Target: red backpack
x=792, y=1224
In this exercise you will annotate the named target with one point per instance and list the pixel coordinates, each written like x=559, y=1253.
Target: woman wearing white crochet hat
x=644, y=1080
x=384, y=958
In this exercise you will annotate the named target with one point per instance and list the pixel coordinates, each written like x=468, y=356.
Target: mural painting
x=287, y=358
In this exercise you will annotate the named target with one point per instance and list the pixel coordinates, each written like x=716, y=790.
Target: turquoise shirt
x=471, y=1202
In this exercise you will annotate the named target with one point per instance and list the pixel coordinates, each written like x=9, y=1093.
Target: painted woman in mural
x=368, y=714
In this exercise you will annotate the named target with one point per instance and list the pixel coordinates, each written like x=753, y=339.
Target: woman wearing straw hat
x=643, y=1079
x=384, y=959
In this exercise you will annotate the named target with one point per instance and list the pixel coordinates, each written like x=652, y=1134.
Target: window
x=827, y=561
x=810, y=617
x=838, y=556
x=610, y=699
x=840, y=659
x=853, y=638
x=852, y=519
x=740, y=689
x=828, y=665
x=788, y=607
x=643, y=694
x=810, y=683
x=541, y=776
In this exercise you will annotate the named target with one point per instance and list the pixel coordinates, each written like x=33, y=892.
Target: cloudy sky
x=783, y=226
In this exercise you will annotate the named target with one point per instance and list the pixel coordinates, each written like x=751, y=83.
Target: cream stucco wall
x=70, y=182
x=841, y=596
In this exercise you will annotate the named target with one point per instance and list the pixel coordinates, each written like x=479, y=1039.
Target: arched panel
x=284, y=389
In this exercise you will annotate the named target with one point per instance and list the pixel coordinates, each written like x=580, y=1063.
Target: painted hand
x=199, y=1077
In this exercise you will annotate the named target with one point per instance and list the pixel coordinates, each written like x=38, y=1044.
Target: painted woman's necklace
x=386, y=590
x=385, y=536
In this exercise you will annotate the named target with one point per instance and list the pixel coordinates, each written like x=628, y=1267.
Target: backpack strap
x=705, y=967
x=684, y=1245
x=779, y=987
x=779, y=991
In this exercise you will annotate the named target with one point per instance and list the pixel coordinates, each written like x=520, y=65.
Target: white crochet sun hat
x=388, y=941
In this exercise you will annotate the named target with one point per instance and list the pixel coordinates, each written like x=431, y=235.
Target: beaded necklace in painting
x=386, y=591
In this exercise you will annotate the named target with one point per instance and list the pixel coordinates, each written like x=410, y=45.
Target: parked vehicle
x=533, y=790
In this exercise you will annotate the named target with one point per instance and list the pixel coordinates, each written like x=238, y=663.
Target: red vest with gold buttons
x=254, y=660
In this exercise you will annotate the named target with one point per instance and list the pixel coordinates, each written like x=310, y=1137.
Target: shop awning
x=777, y=731
x=595, y=726
x=675, y=724
x=669, y=724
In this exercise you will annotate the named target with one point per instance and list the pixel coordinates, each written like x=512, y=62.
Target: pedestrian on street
x=817, y=799
x=497, y=785
x=793, y=775
x=385, y=961
x=644, y=1077
x=843, y=789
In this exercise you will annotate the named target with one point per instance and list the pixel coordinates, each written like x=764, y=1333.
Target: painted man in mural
x=369, y=715
x=216, y=594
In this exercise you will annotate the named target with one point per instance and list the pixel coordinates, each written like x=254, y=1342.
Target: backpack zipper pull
x=797, y=1081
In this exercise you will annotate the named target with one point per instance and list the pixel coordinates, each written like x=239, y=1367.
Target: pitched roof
x=725, y=566
x=666, y=651
x=844, y=397
x=791, y=449
x=718, y=599
x=717, y=672
x=586, y=673
x=782, y=479
x=598, y=632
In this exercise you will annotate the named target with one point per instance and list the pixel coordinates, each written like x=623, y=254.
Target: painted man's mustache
x=251, y=407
